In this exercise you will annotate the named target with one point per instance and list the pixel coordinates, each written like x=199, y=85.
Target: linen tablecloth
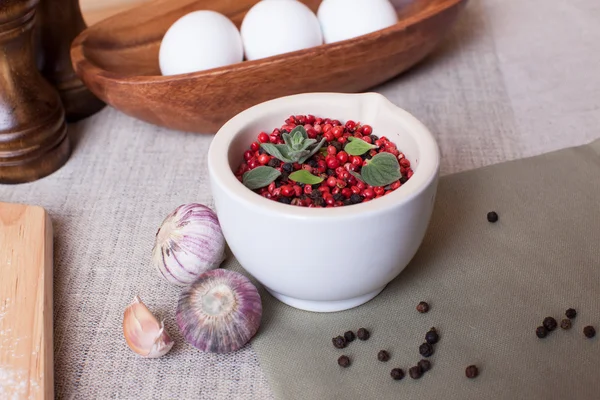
x=515, y=78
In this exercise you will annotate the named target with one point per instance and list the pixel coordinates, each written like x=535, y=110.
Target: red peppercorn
x=248, y=155
x=337, y=131
x=356, y=160
x=368, y=193
x=384, y=139
x=253, y=163
x=379, y=191
x=307, y=167
x=405, y=163
x=332, y=162
x=310, y=119
x=401, y=156
x=322, y=166
x=345, y=175
x=342, y=140
x=297, y=166
x=331, y=150
x=335, y=190
x=318, y=128
x=361, y=185
x=395, y=185
x=298, y=190
x=339, y=171
x=346, y=192
x=367, y=139
x=271, y=187
x=331, y=181
x=366, y=130
x=328, y=136
x=264, y=159
x=358, y=135
x=308, y=189
x=287, y=191
x=327, y=127
x=263, y=137
x=378, y=143
x=336, y=122
x=254, y=146
x=324, y=188
x=342, y=157
x=410, y=173
x=330, y=200
x=355, y=190
x=312, y=133
x=351, y=125
x=274, y=139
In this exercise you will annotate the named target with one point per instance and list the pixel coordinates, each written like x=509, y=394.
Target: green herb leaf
x=313, y=151
x=381, y=170
x=260, y=177
x=303, y=176
x=357, y=176
x=287, y=139
x=275, y=151
x=323, y=151
x=358, y=147
x=299, y=129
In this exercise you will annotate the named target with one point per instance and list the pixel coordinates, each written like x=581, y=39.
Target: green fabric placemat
x=489, y=287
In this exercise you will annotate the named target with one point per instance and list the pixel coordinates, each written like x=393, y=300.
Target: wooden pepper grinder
x=33, y=134
x=59, y=22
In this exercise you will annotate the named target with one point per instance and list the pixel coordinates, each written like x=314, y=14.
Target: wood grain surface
x=118, y=60
x=26, y=348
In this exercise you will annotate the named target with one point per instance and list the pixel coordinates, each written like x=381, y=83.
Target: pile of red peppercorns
x=334, y=165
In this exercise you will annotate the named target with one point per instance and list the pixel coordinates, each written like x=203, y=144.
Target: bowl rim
x=221, y=173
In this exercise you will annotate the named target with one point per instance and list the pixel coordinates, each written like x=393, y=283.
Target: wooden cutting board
x=26, y=360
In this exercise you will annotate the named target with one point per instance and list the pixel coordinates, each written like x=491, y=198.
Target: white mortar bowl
x=328, y=259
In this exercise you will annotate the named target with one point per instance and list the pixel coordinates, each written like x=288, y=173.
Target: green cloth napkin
x=489, y=286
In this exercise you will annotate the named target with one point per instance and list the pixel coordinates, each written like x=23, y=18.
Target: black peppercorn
x=374, y=138
x=285, y=200
x=313, y=163
x=349, y=336
x=589, y=332
x=338, y=146
x=330, y=172
x=565, y=324
x=368, y=156
x=319, y=202
x=550, y=324
x=426, y=350
x=383, y=356
x=432, y=336
x=273, y=162
x=571, y=313
x=284, y=176
x=319, y=138
x=363, y=334
x=261, y=150
x=344, y=361
x=425, y=365
x=287, y=167
x=492, y=216
x=403, y=180
x=541, y=332
x=422, y=307
x=339, y=342
x=397, y=374
x=356, y=198
x=347, y=202
x=471, y=371
x=415, y=372
x=338, y=197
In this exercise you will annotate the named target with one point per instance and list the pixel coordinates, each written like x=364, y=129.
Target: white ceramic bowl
x=327, y=259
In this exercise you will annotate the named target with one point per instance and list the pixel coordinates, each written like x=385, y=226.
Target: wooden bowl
x=117, y=59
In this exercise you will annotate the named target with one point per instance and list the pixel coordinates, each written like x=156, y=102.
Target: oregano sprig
x=297, y=147
x=381, y=170
x=260, y=177
x=358, y=147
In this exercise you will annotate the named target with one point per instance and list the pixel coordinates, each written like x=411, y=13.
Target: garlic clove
x=188, y=243
x=144, y=334
x=220, y=312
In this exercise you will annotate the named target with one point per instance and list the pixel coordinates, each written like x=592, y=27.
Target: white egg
x=275, y=27
x=347, y=19
x=199, y=41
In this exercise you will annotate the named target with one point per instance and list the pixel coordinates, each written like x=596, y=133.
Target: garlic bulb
x=188, y=243
x=143, y=333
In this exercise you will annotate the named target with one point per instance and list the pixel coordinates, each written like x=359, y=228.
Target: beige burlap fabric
x=506, y=84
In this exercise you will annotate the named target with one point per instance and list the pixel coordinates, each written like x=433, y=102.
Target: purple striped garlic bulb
x=220, y=312
x=188, y=243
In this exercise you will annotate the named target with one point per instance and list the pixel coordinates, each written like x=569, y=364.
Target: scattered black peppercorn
x=344, y=361
x=425, y=365
x=374, y=138
x=287, y=167
x=349, y=336
x=338, y=146
x=415, y=372
x=313, y=163
x=331, y=172
x=338, y=197
x=284, y=176
x=285, y=200
x=273, y=162
x=589, y=331
x=541, y=332
x=347, y=202
x=565, y=324
x=426, y=350
x=319, y=201
x=339, y=342
x=261, y=150
x=571, y=313
x=471, y=371
x=432, y=336
x=397, y=374
x=363, y=334
x=356, y=198
x=550, y=324
x=403, y=180
x=383, y=356
x=492, y=216
x=422, y=307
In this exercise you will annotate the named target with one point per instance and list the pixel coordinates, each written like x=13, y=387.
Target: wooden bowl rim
x=78, y=58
